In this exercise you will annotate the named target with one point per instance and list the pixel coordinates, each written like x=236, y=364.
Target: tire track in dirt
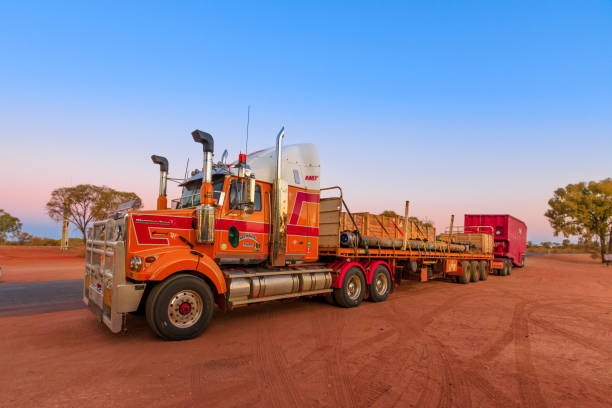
x=576, y=338
x=529, y=386
x=272, y=366
x=459, y=378
x=335, y=373
x=452, y=390
x=204, y=387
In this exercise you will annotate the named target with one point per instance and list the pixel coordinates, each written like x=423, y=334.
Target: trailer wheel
x=467, y=272
x=180, y=308
x=522, y=265
x=508, y=267
x=475, y=271
x=353, y=288
x=484, y=270
x=381, y=284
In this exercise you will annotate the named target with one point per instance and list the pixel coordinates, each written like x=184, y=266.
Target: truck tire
x=522, y=265
x=381, y=284
x=329, y=298
x=475, y=271
x=466, y=266
x=180, y=308
x=484, y=270
x=508, y=267
x=351, y=293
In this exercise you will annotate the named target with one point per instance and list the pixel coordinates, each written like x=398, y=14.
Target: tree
x=583, y=210
x=389, y=213
x=10, y=227
x=85, y=203
x=565, y=243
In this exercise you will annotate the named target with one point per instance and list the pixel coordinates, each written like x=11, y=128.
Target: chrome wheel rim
x=381, y=284
x=353, y=288
x=185, y=308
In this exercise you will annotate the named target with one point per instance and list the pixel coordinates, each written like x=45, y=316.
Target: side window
x=257, y=197
x=235, y=195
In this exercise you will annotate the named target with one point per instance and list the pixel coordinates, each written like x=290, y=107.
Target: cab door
x=242, y=233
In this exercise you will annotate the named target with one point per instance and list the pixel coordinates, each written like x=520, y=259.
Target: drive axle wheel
x=484, y=270
x=475, y=271
x=180, y=308
x=467, y=272
x=381, y=284
x=352, y=290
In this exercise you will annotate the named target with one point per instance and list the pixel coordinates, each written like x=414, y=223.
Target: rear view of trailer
x=510, y=235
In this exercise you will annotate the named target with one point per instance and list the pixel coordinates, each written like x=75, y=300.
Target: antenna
x=246, y=147
x=186, y=168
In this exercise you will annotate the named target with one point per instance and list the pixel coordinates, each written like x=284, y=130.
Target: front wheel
x=350, y=294
x=180, y=308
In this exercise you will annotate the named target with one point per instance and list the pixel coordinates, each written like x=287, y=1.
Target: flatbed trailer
x=403, y=263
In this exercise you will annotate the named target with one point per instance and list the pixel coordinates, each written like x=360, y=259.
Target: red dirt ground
x=541, y=337
x=31, y=264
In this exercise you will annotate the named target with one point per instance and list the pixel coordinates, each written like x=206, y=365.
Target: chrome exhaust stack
x=208, y=146
x=205, y=212
x=278, y=248
x=162, y=201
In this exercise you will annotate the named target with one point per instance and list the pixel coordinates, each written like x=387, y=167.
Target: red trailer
x=510, y=235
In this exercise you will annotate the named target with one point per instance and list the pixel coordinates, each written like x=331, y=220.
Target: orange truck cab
x=240, y=233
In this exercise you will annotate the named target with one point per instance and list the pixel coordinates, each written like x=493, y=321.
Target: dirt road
x=541, y=337
x=36, y=264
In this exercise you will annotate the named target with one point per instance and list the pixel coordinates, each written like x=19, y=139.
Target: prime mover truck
x=252, y=231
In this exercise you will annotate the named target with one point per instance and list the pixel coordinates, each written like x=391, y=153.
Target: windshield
x=191, y=192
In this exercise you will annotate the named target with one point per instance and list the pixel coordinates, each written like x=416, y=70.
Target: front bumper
x=105, y=290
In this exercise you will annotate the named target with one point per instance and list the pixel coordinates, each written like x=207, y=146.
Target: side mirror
x=249, y=194
x=224, y=157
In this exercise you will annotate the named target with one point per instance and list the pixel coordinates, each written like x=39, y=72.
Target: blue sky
x=457, y=106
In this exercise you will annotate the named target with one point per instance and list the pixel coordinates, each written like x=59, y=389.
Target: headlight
x=135, y=263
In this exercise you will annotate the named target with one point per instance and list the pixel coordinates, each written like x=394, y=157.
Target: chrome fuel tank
x=265, y=284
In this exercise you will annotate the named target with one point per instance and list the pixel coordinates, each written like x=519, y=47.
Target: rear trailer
x=509, y=233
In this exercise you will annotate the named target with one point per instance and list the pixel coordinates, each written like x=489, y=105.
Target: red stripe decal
x=300, y=199
x=302, y=230
x=143, y=222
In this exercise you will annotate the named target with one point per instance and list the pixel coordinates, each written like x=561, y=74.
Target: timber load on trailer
x=257, y=230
